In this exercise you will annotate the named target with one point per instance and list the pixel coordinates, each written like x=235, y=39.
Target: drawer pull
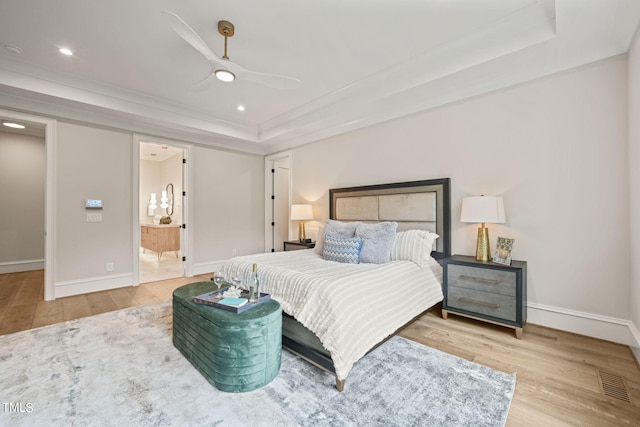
x=474, y=301
x=480, y=279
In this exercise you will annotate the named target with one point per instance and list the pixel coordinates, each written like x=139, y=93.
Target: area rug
x=121, y=369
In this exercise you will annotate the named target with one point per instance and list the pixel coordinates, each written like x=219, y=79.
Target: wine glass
x=236, y=279
x=218, y=279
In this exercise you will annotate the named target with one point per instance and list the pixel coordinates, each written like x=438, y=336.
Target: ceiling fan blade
x=204, y=84
x=272, y=80
x=275, y=81
x=189, y=35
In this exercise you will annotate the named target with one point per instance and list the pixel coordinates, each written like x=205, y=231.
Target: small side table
x=486, y=291
x=294, y=245
x=235, y=352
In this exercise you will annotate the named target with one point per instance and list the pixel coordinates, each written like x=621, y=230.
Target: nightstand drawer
x=482, y=279
x=487, y=303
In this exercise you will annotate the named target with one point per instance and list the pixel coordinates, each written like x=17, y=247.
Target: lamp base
x=301, y=232
x=483, y=252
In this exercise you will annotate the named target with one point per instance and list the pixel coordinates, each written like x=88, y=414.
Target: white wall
x=555, y=148
x=92, y=163
x=634, y=185
x=22, y=196
x=96, y=163
x=229, y=206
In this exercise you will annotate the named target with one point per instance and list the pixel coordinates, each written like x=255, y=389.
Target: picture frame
x=502, y=255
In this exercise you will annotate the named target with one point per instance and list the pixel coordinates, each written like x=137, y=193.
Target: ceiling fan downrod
x=226, y=29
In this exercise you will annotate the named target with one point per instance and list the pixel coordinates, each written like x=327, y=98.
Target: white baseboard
x=635, y=341
x=208, y=267
x=95, y=284
x=18, y=266
x=593, y=325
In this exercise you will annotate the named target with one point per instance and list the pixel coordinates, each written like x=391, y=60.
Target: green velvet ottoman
x=234, y=352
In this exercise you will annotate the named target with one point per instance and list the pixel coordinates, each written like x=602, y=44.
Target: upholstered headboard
x=423, y=205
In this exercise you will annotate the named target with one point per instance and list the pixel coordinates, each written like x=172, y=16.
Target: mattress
x=349, y=307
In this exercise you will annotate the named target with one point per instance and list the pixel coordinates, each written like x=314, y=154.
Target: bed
x=334, y=312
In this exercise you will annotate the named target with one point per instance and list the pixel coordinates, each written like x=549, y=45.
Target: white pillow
x=413, y=245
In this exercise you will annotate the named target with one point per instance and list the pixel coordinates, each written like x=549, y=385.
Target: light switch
x=94, y=217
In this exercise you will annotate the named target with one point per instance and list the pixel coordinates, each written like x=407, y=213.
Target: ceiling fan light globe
x=224, y=75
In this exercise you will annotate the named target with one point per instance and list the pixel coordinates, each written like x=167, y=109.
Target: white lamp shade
x=489, y=209
x=301, y=212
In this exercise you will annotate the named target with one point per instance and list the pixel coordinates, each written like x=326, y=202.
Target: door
x=277, y=193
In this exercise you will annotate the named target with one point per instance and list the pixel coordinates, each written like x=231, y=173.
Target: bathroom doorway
x=161, y=212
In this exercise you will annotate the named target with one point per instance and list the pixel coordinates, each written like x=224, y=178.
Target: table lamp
x=483, y=209
x=301, y=213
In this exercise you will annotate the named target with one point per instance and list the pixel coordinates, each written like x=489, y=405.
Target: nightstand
x=486, y=291
x=295, y=245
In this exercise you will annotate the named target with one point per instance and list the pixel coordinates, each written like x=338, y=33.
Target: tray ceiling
x=359, y=62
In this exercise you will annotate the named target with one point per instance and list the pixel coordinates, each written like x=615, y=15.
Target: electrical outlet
x=110, y=266
x=234, y=252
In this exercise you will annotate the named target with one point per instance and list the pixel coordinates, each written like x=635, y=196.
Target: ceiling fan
x=222, y=67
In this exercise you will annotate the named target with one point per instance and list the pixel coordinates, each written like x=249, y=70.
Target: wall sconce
x=301, y=213
x=483, y=209
x=164, y=200
x=153, y=204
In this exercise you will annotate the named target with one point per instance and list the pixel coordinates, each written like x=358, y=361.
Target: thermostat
x=93, y=204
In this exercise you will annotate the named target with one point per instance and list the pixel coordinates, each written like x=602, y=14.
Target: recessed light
x=65, y=51
x=153, y=154
x=240, y=107
x=13, y=125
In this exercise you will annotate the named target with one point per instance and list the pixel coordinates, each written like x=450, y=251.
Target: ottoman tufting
x=234, y=352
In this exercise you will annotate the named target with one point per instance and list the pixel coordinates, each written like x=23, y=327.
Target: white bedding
x=349, y=307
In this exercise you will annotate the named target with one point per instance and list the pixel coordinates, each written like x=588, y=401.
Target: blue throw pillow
x=342, y=249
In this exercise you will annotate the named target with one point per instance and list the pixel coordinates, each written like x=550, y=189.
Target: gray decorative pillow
x=320, y=240
x=377, y=241
x=341, y=229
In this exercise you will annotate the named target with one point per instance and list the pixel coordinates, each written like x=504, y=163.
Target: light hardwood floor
x=22, y=304
x=557, y=372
